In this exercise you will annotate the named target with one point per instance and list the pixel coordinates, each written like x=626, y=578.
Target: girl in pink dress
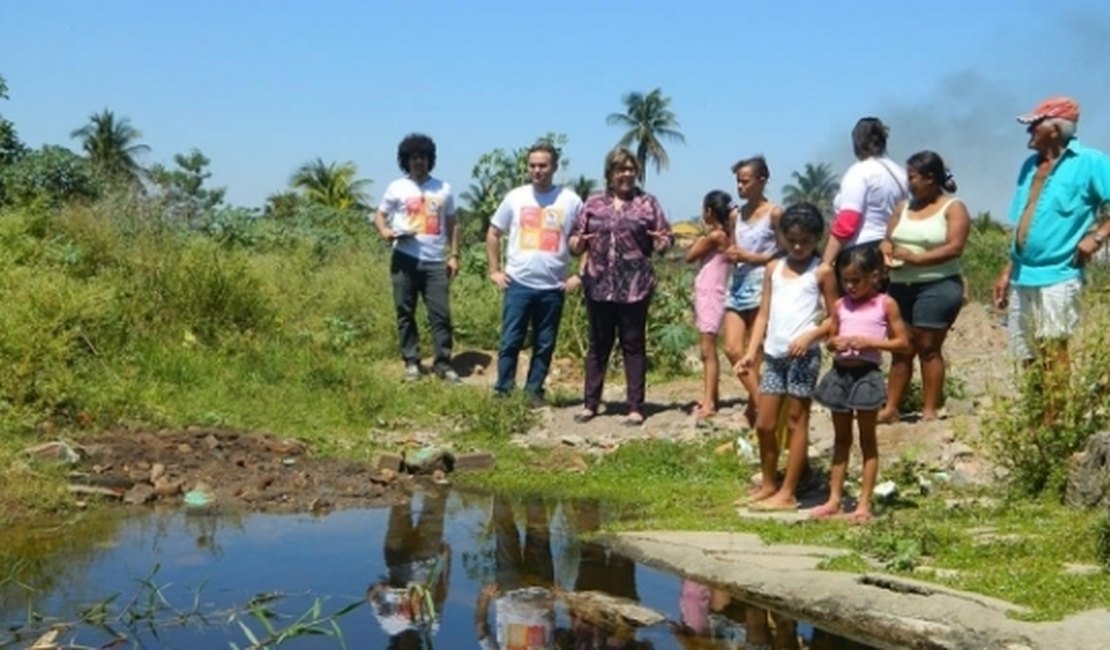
x=709, y=291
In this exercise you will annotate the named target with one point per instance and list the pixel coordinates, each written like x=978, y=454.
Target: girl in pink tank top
x=865, y=323
x=709, y=291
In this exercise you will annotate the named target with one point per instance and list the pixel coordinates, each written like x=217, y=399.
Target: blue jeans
x=524, y=306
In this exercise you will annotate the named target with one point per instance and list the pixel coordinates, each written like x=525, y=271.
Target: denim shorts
x=794, y=376
x=929, y=305
x=745, y=292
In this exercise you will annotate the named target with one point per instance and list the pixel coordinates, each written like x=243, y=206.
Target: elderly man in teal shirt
x=1060, y=191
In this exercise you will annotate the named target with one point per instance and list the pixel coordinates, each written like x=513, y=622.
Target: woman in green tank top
x=924, y=241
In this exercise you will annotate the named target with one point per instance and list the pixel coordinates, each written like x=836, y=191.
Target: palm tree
x=111, y=146
x=816, y=185
x=584, y=187
x=331, y=184
x=648, y=120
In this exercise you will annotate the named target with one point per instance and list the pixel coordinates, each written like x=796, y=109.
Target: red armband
x=846, y=223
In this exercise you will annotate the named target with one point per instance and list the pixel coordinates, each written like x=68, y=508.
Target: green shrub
x=1055, y=410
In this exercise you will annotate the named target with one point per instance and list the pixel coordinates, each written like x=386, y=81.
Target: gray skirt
x=851, y=388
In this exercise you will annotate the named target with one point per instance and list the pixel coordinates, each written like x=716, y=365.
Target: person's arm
x=759, y=327
x=481, y=610
x=660, y=230
x=849, y=215
x=381, y=217
x=1100, y=189
x=898, y=335
x=706, y=244
x=959, y=226
x=493, y=257
x=834, y=342
x=886, y=246
x=580, y=236
x=826, y=282
x=453, y=247
x=1001, y=289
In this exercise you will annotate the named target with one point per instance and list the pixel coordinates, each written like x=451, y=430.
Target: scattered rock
x=474, y=461
x=157, y=471
x=388, y=461
x=212, y=442
x=571, y=440
x=1082, y=569
x=139, y=494
x=56, y=450
x=96, y=490
x=1089, y=474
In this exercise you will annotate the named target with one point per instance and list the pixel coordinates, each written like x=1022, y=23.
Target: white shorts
x=1042, y=313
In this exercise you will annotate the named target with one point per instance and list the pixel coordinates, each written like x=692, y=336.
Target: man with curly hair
x=417, y=217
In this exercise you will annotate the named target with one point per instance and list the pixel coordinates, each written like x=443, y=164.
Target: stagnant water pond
x=445, y=570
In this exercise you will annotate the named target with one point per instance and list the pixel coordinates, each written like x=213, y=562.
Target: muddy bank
x=228, y=470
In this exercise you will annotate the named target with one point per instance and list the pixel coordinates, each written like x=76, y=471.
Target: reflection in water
x=408, y=602
x=530, y=581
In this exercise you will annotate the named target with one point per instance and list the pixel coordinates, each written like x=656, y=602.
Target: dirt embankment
x=209, y=468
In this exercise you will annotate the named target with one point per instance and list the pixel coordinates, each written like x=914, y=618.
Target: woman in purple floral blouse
x=618, y=230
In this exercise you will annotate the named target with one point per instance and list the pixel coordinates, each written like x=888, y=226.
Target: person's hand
x=1001, y=291
x=1086, y=249
x=837, y=344
x=744, y=365
x=799, y=346
x=452, y=266
x=388, y=234
x=661, y=239
x=572, y=284
x=500, y=279
x=737, y=255
x=903, y=254
x=491, y=590
x=859, y=343
x=579, y=243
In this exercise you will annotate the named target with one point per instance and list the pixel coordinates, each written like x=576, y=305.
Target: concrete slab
x=879, y=610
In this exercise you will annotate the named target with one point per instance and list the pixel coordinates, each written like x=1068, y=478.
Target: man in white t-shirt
x=537, y=219
x=417, y=217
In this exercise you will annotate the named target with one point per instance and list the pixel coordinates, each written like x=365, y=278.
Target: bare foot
x=930, y=416
x=860, y=516
x=756, y=494
x=702, y=413
x=887, y=417
x=776, y=502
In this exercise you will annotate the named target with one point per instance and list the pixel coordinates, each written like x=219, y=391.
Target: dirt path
x=976, y=353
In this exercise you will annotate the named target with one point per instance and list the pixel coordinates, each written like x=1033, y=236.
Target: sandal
x=584, y=416
x=633, y=419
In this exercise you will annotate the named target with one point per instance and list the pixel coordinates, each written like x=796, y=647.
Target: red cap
x=1062, y=107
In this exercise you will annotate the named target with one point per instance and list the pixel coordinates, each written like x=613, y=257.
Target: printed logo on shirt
x=520, y=636
x=423, y=214
x=541, y=229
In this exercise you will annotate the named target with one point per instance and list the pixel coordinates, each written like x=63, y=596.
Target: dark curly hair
x=416, y=143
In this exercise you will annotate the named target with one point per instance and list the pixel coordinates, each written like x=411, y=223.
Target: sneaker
x=412, y=372
x=450, y=376
x=536, y=401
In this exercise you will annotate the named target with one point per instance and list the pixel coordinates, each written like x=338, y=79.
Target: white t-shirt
x=871, y=187
x=423, y=212
x=537, y=226
x=525, y=620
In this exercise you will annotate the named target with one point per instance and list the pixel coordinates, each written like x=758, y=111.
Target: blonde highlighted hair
x=619, y=157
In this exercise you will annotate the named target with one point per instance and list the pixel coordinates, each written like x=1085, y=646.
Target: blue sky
x=262, y=87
